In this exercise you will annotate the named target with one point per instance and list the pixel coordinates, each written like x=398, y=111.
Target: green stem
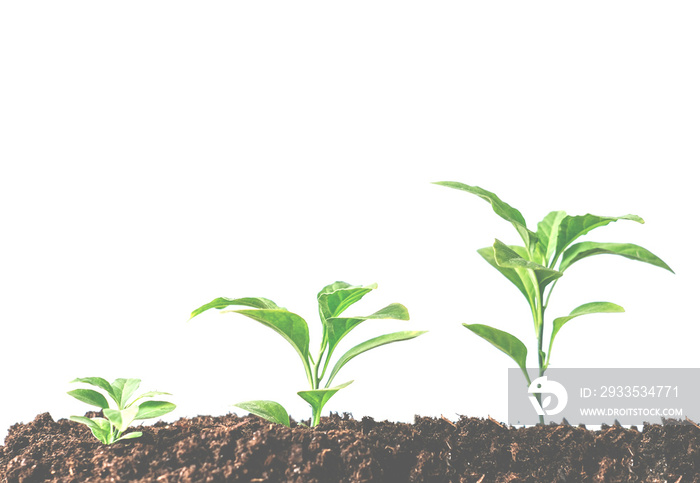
x=539, y=323
x=315, y=416
x=316, y=379
x=549, y=350
x=551, y=289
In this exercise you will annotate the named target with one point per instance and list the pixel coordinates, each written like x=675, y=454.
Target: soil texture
x=342, y=449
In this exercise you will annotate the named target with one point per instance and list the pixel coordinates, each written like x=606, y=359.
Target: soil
x=342, y=449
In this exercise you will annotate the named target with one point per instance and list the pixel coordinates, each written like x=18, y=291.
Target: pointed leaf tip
x=631, y=251
x=318, y=398
x=503, y=341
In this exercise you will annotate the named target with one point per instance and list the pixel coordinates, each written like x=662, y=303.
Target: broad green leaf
x=339, y=327
x=130, y=387
x=335, y=298
x=149, y=394
x=371, y=344
x=105, y=430
x=121, y=418
x=134, y=435
x=572, y=227
x=504, y=341
x=583, y=250
x=99, y=427
x=391, y=311
x=153, y=409
x=520, y=278
x=117, y=389
x=123, y=389
x=91, y=397
x=589, y=308
x=97, y=382
x=223, y=302
x=585, y=309
x=319, y=397
x=269, y=410
x=289, y=325
x=501, y=208
x=548, y=231
x=90, y=423
x=507, y=257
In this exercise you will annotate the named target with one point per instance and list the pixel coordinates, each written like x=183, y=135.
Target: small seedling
x=536, y=267
x=118, y=420
x=333, y=300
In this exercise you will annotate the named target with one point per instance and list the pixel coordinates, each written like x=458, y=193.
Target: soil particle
x=342, y=449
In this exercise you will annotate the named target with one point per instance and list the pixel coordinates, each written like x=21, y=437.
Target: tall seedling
x=536, y=267
x=333, y=300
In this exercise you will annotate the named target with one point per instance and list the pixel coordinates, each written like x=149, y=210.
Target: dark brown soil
x=341, y=449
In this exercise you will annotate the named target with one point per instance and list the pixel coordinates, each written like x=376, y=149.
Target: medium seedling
x=118, y=420
x=536, y=267
x=333, y=300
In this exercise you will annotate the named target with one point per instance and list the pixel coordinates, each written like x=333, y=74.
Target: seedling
x=118, y=420
x=333, y=300
x=536, y=267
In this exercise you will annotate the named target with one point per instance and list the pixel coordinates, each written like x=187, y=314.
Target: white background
x=156, y=155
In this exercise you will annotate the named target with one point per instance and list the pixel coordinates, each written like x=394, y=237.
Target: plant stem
x=540, y=336
x=315, y=416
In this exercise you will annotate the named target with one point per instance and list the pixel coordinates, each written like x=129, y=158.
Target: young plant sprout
x=333, y=300
x=536, y=267
x=118, y=420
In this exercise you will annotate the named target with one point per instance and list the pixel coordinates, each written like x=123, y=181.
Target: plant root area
x=342, y=449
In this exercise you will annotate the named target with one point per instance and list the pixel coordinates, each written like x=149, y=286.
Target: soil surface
x=342, y=449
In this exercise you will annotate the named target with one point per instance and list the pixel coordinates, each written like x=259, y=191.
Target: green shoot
x=333, y=300
x=111, y=429
x=536, y=267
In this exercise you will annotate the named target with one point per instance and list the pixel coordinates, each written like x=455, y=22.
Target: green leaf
x=507, y=257
x=149, y=394
x=134, y=435
x=91, y=397
x=318, y=398
x=572, y=227
x=128, y=390
x=90, y=423
x=339, y=327
x=520, y=278
x=585, y=309
x=371, y=344
x=501, y=208
x=98, y=426
x=269, y=410
x=335, y=298
x=121, y=418
x=117, y=388
x=289, y=325
x=391, y=311
x=583, y=250
x=223, y=302
x=548, y=231
x=153, y=409
x=123, y=389
x=98, y=382
x=504, y=341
